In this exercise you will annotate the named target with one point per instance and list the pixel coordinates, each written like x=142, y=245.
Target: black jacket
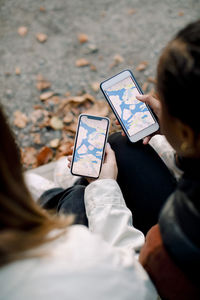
x=180, y=221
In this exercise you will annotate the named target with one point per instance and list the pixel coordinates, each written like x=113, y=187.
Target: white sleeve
x=109, y=216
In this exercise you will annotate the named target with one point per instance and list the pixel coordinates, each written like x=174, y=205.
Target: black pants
x=144, y=179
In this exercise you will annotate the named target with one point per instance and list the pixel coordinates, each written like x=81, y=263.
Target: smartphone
x=135, y=117
x=89, y=147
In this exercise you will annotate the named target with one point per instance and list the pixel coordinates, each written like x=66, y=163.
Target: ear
x=187, y=137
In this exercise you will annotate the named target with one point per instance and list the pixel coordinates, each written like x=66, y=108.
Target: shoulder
x=168, y=278
x=78, y=263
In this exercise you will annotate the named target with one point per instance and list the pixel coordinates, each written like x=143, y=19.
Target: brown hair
x=23, y=223
x=178, y=76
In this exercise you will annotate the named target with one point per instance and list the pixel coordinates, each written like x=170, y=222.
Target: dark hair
x=23, y=223
x=178, y=76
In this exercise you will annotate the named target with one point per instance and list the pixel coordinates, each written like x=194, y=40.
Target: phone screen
x=133, y=113
x=89, y=147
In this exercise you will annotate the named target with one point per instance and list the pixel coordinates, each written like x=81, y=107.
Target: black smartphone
x=135, y=117
x=89, y=147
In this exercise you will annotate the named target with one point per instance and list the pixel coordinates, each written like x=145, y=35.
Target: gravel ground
x=137, y=30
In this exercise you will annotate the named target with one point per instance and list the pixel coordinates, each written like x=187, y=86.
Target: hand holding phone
x=89, y=148
x=135, y=117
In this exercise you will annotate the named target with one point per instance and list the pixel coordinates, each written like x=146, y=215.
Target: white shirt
x=98, y=263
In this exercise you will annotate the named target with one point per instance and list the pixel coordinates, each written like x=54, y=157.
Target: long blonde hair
x=23, y=223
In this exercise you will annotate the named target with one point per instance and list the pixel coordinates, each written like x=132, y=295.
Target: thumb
x=110, y=154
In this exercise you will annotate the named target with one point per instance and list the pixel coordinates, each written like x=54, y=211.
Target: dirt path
x=134, y=30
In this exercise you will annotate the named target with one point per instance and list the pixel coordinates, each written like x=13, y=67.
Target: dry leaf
x=181, y=13
x=43, y=85
x=42, y=9
x=38, y=114
x=82, y=62
x=41, y=37
x=152, y=80
x=22, y=30
x=46, y=96
x=17, y=71
x=20, y=119
x=131, y=11
x=145, y=86
x=89, y=97
x=95, y=86
x=44, y=156
x=83, y=38
x=64, y=149
x=28, y=155
x=117, y=60
x=55, y=99
x=56, y=123
x=100, y=108
x=71, y=128
x=142, y=66
x=93, y=68
x=54, y=143
x=68, y=118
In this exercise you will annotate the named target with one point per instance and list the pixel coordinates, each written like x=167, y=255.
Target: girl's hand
x=155, y=106
x=109, y=167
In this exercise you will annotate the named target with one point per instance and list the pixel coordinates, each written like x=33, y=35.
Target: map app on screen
x=134, y=114
x=89, y=146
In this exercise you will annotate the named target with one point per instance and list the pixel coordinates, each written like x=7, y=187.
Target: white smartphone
x=89, y=147
x=135, y=117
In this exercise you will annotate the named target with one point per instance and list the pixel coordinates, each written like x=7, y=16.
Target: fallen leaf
x=43, y=85
x=103, y=14
x=54, y=143
x=37, y=106
x=46, y=96
x=131, y=11
x=117, y=60
x=78, y=99
x=42, y=9
x=83, y=38
x=152, y=80
x=142, y=66
x=68, y=118
x=56, y=123
x=93, y=68
x=82, y=62
x=71, y=128
x=145, y=86
x=100, y=108
x=55, y=99
x=64, y=149
x=28, y=156
x=20, y=119
x=89, y=97
x=38, y=114
x=17, y=71
x=44, y=155
x=22, y=30
x=41, y=37
x=181, y=13
x=95, y=86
